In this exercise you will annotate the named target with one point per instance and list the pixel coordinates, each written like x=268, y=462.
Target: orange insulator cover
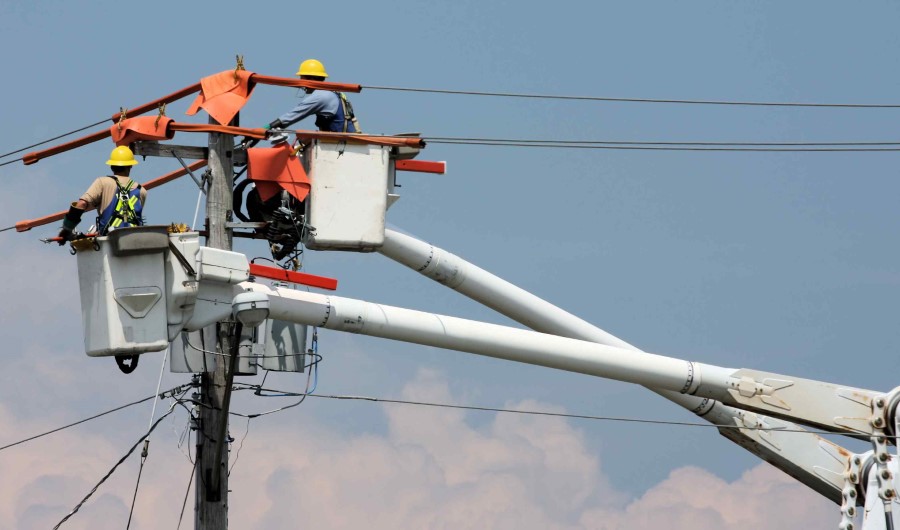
x=223, y=95
x=224, y=129
x=28, y=224
x=394, y=141
x=306, y=83
x=273, y=169
x=174, y=96
x=31, y=158
x=141, y=128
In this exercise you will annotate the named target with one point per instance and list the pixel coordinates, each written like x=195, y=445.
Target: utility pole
x=211, y=480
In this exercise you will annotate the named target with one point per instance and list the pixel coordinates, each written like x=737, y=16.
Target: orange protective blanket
x=223, y=95
x=141, y=128
x=273, y=169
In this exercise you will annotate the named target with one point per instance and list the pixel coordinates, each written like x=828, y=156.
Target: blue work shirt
x=326, y=105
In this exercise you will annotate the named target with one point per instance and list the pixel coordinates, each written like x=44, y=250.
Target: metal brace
x=199, y=182
x=848, y=493
x=886, y=490
x=261, y=224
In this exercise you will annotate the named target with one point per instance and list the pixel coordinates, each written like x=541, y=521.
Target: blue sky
x=779, y=261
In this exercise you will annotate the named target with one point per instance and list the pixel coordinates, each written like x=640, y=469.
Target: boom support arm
x=811, y=459
x=832, y=407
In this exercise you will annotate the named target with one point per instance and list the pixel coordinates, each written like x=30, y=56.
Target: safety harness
x=344, y=113
x=349, y=115
x=124, y=210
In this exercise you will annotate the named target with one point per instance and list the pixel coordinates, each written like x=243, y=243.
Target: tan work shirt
x=103, y=191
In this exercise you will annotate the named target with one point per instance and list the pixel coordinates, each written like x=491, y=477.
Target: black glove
x=70, y=221
x=65, y=235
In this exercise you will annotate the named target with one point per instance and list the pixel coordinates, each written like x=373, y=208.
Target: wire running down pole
x=211, y=484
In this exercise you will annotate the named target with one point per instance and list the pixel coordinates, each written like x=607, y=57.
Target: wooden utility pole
x=211, y=480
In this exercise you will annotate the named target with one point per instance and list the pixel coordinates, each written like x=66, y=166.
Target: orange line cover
x=396, y=141
x=31, y=158
x=28, y=224
x=141, y=128
x=174, y=96
x=305, y=83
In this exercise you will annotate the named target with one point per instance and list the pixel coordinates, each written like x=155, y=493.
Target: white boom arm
x=811, y=459
x=826, y=405
x=665, y=373
x=142, y=286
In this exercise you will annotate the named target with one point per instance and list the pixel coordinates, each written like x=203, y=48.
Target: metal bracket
x=880, y=454
x=199, y=182
x=848, y=493
x=261, y=224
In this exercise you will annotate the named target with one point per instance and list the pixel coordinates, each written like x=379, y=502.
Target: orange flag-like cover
x=274, y=168
x=141, y=128
x=223, y=95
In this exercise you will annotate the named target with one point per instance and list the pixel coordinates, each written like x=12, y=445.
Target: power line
x=4, y=155
x=646, y=142
x=79, y=422
x=184, y=503
x=648, y=148
x=113, y=469
x=544, y=413
x=138, y=483
x=637, y=100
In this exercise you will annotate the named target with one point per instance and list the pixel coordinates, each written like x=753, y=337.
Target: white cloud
x=431, y=469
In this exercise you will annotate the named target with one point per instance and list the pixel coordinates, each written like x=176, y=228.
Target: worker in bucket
x=118, y=200
x=333, y=110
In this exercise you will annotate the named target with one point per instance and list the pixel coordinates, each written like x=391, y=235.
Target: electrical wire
x=307, y=391
x=553, y=414
x=146, y=450
x=186, y=493
x=635, y=100
x=561, y=145
x=620, y=142
x=162, y=369
x=101, y=122
x=8, y=162
x=237, y=454
x=137, y=484
x=167, y=393
x=113, y=469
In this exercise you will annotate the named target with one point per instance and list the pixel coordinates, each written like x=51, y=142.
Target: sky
x=783, y=262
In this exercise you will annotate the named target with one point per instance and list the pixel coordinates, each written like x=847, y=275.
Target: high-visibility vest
x=124, y=210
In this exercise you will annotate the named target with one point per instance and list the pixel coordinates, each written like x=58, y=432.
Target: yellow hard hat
x=121, y=156
x=312, y=67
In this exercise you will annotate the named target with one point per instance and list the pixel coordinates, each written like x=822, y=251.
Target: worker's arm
x=71, y=220
x=89, y=201
x=312, y=104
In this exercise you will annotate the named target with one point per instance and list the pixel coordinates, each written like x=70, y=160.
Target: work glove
x=65, y=235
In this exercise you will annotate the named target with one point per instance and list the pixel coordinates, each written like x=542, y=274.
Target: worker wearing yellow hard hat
x=332, y=109
x=118, y=200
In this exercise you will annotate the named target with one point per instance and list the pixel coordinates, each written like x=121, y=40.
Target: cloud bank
x=432, y=468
